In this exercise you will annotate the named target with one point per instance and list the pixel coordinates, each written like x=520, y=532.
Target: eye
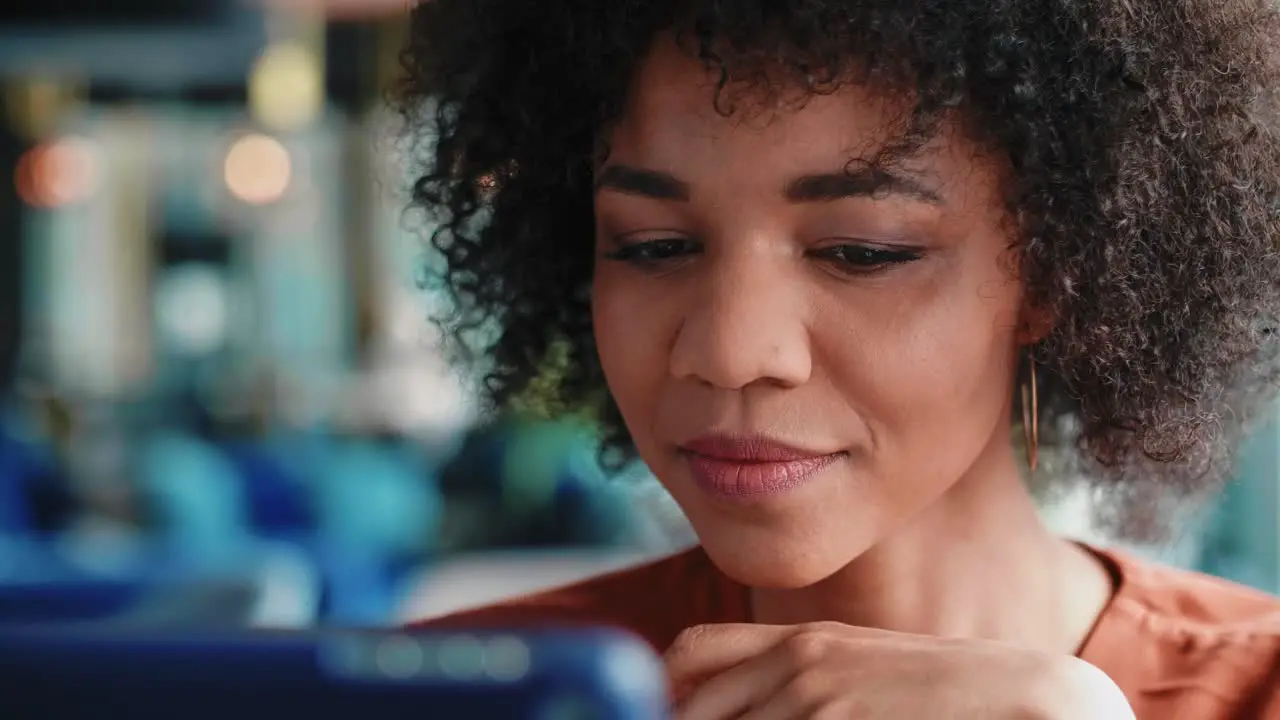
x=860, y=259
x=654, y=253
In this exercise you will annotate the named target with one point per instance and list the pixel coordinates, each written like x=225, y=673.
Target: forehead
x=679, y=118
x=676, y=101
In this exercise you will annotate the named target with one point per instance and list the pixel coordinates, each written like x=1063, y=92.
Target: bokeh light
x=59, y=173
x=286, y=87
x=258, y=169
x=193, y=309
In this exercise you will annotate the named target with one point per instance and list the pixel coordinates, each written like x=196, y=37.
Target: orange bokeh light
x=258, y=169
x=58, y=173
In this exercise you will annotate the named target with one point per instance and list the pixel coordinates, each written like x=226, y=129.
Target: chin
x=777, y=563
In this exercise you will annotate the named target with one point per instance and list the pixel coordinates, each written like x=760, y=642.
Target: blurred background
x=221, y=399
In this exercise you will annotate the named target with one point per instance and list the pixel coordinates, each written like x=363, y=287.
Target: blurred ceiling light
x=343, y=9
x=37, y=106
x=258, y=169
x=286, y=87
x=59, y=173
x=193, y=309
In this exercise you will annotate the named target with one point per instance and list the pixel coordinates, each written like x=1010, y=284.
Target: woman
x=826, y=256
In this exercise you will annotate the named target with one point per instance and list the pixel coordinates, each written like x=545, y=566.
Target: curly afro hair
x=1143, y=138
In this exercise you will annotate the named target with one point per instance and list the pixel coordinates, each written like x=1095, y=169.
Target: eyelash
x=849, y=258
x=652, y=253
x=867, y=259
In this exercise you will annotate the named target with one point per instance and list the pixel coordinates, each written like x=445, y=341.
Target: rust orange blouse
x=1182, y=646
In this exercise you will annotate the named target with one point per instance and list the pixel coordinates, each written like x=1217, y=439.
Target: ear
x=1034, y=324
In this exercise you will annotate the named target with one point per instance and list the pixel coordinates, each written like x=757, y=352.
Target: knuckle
x=826, y=627
x=807, y=646
x=686, y=641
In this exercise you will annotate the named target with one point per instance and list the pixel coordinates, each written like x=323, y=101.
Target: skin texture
x=722, y=308
x=755, y=328
x=1090, y=184
x=830, y=670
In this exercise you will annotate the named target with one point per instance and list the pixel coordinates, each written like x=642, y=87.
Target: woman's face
x=806, y=358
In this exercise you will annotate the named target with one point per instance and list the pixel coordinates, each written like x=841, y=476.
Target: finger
x=737, y=690
x=789, y=702
x=705, y=650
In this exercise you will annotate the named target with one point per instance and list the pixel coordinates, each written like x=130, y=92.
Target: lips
x=747, y=467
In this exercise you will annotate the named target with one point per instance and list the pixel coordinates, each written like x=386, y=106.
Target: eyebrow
x=860, y=182
x=652, y=184
x=863, y=182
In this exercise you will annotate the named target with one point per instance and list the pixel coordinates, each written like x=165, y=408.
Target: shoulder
x=1194, y=602
x=1174, y=636
x=655, y=601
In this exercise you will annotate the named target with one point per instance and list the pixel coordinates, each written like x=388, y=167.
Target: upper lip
x=748, y=449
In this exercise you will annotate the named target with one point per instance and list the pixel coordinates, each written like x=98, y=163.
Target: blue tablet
x=68, y=672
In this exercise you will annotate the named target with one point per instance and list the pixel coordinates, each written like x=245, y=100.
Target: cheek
x=633, y=330
x=935, y=374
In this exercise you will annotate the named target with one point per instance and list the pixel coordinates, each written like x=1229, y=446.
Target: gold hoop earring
x=1031, y=416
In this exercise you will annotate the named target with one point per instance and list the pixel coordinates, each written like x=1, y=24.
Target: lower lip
x=737, y=480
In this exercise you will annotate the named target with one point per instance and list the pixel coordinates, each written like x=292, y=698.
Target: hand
x=830, y=670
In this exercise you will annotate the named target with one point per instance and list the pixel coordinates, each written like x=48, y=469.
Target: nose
x=745, y=326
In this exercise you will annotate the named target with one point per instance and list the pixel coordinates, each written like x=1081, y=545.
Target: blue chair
x=18, y=467
x=198, y=499
x=553, y=482
x=377, y=511
x=278, y=506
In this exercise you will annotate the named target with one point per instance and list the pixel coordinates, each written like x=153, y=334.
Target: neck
x=978, y=563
